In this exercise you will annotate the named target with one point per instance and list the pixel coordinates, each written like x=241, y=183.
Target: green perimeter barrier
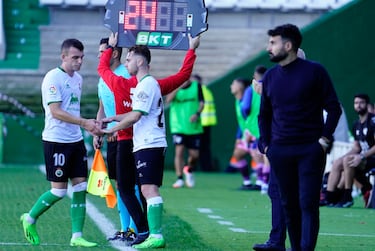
x=22, y=141
x=1, y=137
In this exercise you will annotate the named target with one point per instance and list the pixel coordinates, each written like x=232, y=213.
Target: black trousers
x=299, y=172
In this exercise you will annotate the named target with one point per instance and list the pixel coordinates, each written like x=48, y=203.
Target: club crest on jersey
x=59, y=173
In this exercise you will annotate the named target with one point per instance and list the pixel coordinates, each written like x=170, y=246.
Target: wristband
x=198, y=114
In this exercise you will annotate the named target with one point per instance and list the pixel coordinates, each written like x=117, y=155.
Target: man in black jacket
x=293, y=134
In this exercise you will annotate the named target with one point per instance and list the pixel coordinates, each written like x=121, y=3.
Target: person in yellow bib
x=186, y=105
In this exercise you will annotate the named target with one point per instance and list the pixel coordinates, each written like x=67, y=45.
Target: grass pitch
x=213, y=216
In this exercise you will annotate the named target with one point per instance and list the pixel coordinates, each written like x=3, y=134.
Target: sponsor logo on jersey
x=142, y=96
x=127, y=103
x=141, y=164
x=52, y=89
x=74, y=99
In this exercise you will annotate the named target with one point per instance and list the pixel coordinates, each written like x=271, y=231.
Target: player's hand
x=106, y=131
x=112, y=40
x=106, y=120
x=257, y=86
x=194, y=41
x=194, y=118
x=354, y=160
x=97, y=142
x=92, y=126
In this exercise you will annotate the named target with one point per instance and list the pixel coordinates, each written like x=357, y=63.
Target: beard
x=362, y=111
x=279, y=57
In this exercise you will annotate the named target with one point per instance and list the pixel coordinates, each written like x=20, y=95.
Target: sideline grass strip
x=185, y=225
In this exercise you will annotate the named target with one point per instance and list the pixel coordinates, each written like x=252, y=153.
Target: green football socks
x=154, y=216
x=78, y=211
x=44, y=202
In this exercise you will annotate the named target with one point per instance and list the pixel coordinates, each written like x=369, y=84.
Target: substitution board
x=159, y=24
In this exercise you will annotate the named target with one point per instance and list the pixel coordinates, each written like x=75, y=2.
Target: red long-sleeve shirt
x=122, y=87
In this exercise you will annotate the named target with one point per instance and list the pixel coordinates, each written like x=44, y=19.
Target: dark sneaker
x=326, y=203
x=141, y=237
x=323, y=202
x=345, y=204
x=268, y=246
x=250, y=187
x=119, y=235
x=130, y=235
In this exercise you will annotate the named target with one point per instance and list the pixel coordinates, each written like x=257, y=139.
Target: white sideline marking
x=104, y=224
x=349, y=235
x=204, y=210
x=241, y=230
x=41, y=244
x=27, y=244
x=238, y=230
x=227, y=223
x=215, y=217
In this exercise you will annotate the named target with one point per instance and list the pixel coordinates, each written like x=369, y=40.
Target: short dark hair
x=288, y=32
x=104, y=40
x=72, y=42
x=142, y=50
x=260, y=69
x=363, y=96
x=244, y=81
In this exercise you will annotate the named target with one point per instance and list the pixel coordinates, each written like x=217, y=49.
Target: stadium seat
x=51, y=2
x=77, y=2
x=97, y=2
x=318, y=4
x=246, y=4
x=224, y=4
x=271, y=4
x=294, y=4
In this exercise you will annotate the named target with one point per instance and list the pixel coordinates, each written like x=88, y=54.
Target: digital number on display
x=162, y=24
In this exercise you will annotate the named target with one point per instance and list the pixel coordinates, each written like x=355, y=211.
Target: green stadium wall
x=340, y=40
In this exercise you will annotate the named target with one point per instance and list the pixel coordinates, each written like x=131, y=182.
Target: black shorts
x=189, y=141
x=361, y=173
x=111, y=159
x=150, y=165
x=363, y=169
x=65, y=161
x=125, y=165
